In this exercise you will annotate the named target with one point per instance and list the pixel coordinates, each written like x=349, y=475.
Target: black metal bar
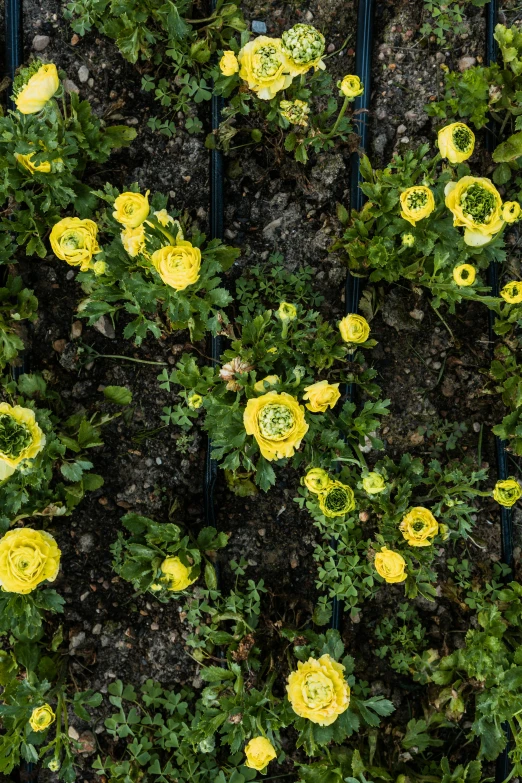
x=13, y=40
x=363, y=69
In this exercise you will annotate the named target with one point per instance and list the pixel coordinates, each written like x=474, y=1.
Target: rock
x=87, y=741
x=40, y=42
x=69, y=86
x=76, y=641
x=76, y=330
x=97, y=629
x=271, y=227
x=259, y=27
x=73, y=734
x=83, y=73
x=417, y=315
x=401, y=129
x=104, y=326
x=466, y=62
x=379, y=143
x=59, y=345
x=75, y=39
x=86, y=542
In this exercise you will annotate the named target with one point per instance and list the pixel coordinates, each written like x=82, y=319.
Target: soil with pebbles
x=272, y=205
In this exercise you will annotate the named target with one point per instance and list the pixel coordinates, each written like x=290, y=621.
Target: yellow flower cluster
x=27, y=558
x=335, y=498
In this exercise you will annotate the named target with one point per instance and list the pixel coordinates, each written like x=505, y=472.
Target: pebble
x=97, y=629
x=83, y=73
x=77, y=640
x=466, y=62
x=86, y=542
x=476, y=426
x=69, y=86
x=258, y=27
x=104, y=326
x=331, y=48
x=40, y=42
x=70, y=275
x=76, y=330
x=401, y=129
x=59, y=345
x=73, y=734
x=159, y=461
x=309, y=16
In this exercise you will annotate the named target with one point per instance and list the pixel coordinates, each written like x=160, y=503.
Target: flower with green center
x=464, y=275
x=318, y=691
x=512, y=292
x=54, y=765
x=264, y=66
x=507, y=492
x=286, y=313
x=316, y=480
x=408, y=240
x=476, y=204
x=20, y=437
x=511, y=211
x=373, y=483
x=416, y=203
x=41, y=718
x=336, y=500
x=27, y=558
x=74, y=240
x=303, y=46
x=131, y=209
x=456, y=142
x=351, y=87
x=419, y=526
x=277, y=422
x=194, y=401
x=296, y=112
x=354, y=329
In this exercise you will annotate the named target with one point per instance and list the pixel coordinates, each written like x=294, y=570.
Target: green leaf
x=509, y=150
x=120, y=395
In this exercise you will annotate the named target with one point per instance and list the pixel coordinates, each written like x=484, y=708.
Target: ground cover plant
x=246, y=534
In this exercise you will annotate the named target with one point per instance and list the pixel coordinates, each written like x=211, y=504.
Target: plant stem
x=124, y=358
x=339, y=118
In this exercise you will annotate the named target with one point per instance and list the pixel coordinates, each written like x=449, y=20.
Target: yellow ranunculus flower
x=316, y=480
x=176, y=575
x=464, y=275
x=303, y=46
x=373, y=483
x=133, y=240
x=354, y=328
x=259, y=752
x=512, y=292
x=511, y=211
x=164, y=219
x=321, y=396
x=271, y=380
x=264, y=66
x=40, y=88
x=277, y=422
x=25, y=162
x=195, y=401
x=75, y=241
x=456, y=142
x=507, y=492
x=390, y=565
x=20, y=437
x=351, y=87
x=228, y=64
x=41, y=717
x=287, y=311
x=416, y=203
x=336, y=500
x=27, y=558
x=131, y=209
x=476, y=205
x=178, y=265
x=419, y=526
x=318, y=691
x=296, y=112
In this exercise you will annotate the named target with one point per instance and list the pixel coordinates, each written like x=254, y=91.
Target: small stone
x=70, y=275
x=87, y=741
x=309, y=16
x=73, y=734
x=261, y=532
x=436, y=365
x=40, y=42
x=476, y=426
x=104, y=326
x=401, y=129
x=69, y=86
x=77, y=640
x=76, y=330
x=417, y=315
x=86, y=542
x=97, y=629
x=466, y=62
x=159, y=461
x=331, y=48
x=83, y=73
x=258, y=27
x=91, y=82
x=405, y=140
x=294, y=562
x=75, y=39
x=59, y=345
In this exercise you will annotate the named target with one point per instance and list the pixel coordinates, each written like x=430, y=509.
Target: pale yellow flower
x=27, y=558
x=464, y=275
x=476, y=204
x=264, y=66
x=419, y=526
x=354, y=328
x=277, y=422
x=512, y=292
x=351, y=87
x=41, y=717
x=316, y=480
x=321, y=396
x=26, y=163
x=75, y=241
x=507, y=492
x=259, y=752
x=511, y=211
x=318, y=691
x=303, y=46
x=373, y=483
x=131, y=209
x=176, y=575
x=269, y=380
x=178, y=265
x=228, y=64
x=456, y=142
x=133, y=240
x=336, y=500
x=40, y=88
x=20, y=437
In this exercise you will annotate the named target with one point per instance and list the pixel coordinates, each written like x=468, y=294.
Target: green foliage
x=446, y=18
x=507, y=374
x=17, y=304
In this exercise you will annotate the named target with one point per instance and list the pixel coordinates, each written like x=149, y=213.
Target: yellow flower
x=511, y=211
x=75, y=241
x=259, y=752
x=20, y=437
x=321, y=396
x=512, y=292
x=287, y=312
x=41, y=718
x=277, y=422
x=373, y=483
x=131, y=209
x=476, y=205
x=164, y=219
x=264, y=66
x=354, y=329
x=178, y=265
x=318, y=691
x=296, y=112
x=419, y=526
x=40, y=88
x=133, y=240
x=507, y=492
x=27, y=558
x=351, y=87
x=99, y=268
x=464, y=274
x=303, y=46
x=176, y=574
x=25, y=162
x=416, y=203
x=195, y=401
x=456, y=142
x=228, y=63
x=316, y=480
x=390, y=565
x=271, y=380
x=336, y=500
